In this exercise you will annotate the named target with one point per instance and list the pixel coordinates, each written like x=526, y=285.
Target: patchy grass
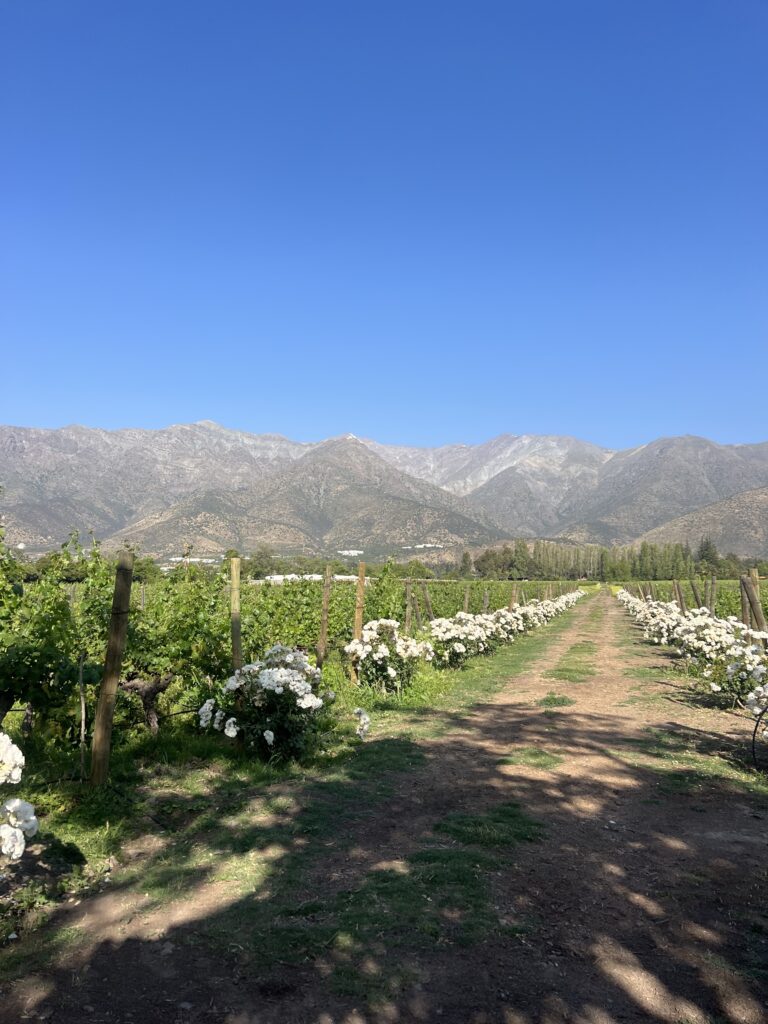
x=555, y=700
x=436, y=896
x=261, y=830
x=532, y=757
x=643, y=696
x=642, y=672
x=569, y=674
x=581, y=649
x=500, y=827
x=575, y=665
x=689, y=763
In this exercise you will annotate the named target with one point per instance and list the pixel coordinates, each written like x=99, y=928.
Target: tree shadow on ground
x=588, y=893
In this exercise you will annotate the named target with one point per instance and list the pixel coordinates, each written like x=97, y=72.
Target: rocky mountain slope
x=464, y=468
x=55, y=481
x=642, y=488
x=738, y=524
x=338, y=496
x=203, y=484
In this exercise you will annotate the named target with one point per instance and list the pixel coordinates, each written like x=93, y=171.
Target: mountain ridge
x=206, y=484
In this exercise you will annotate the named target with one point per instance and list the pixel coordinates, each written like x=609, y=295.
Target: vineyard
x=179, y=635
x=727, y=598
x=309, y=776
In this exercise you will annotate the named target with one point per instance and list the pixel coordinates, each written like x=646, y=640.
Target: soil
x=643, y=901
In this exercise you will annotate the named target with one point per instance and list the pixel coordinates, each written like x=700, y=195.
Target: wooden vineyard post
x=416, y=610
x=427, y=602
x=513, y=597
x=753, y=596
x=357, y=629
x=713, y=594
x=696, y=594
x=466, y=598
x=325, y=611
x=755, y=577
x=486, y=600
x=359, y=601
x=81, y=694
x=408, y=608
x=105, y=708
x=745, y=616
x=234, y=613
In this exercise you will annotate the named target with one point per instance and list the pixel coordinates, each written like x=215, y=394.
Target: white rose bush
x=384, y=658
x=17, y=817
x=729, y=658
x=455, y=640
x=274, y=706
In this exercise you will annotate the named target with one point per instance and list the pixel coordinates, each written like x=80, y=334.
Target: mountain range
x=215, y=488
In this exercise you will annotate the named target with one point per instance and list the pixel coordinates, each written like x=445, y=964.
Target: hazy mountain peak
x=213, y=486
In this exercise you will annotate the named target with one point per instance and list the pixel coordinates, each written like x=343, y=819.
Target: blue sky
x=420, y=222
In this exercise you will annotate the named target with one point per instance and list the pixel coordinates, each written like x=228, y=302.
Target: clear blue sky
x=421, y=222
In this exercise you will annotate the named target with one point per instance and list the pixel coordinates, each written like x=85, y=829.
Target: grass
x=641, y=672
x=500, y=827
x=575, y=665
x=532, y=757
x=436, y=896
x=641, y=695
x=555, y=700
x=688, y=764
x=215, y=813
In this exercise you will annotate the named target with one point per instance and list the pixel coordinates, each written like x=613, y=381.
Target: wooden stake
x=105, y=708
x=234, y=612
x=713, y=595
x=325, y=611
x=416, y=610
x=513, y=597
x=81, y=689
x=427, y=602
x=408, y=609
x=745, y=615
x=755, y=580
x=696, y=594
x=486, y=600
x=359, y=601
x=753, y=595
x=466, y=599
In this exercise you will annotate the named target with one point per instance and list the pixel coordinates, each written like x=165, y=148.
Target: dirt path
x=640, y=899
